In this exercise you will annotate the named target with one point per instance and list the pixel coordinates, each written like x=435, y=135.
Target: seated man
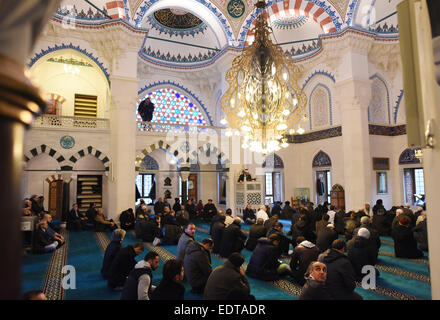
x=111, y=251
x=283, y=246
x=405, y=245
x=127, y=219
x=233, y=239
x=256, y=232
x=264, y=263
x=249, y=215
x=58, y=237
x=182, y=216
x=303, y=254
x=75, y=220
x=43, y=242
x=315, y=288
x=209, y=210
x=102, y=224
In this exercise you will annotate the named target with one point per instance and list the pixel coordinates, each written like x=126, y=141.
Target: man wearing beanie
x=226, y=278
x=361, y=252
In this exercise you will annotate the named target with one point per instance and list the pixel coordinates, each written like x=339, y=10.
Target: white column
x=353, y=97
x=122, y=145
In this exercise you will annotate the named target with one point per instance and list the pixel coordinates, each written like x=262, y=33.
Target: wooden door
x=56, y=199
x=192, y=186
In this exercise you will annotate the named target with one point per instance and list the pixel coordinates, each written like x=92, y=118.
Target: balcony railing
x=67, y=122
x=177, y=128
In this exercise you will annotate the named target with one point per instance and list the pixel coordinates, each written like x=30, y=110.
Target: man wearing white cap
x=361, y=252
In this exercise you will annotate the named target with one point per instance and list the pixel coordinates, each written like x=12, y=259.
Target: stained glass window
x=172, y=107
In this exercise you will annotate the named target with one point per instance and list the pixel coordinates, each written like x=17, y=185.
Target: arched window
x=173, y=107
x=322, y=170
x=273, y=178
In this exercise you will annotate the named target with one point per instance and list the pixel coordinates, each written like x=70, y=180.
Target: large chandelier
x=263, y=100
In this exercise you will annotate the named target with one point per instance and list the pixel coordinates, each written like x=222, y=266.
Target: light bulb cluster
x=263, y=100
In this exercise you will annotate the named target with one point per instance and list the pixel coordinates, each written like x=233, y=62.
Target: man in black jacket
x=283, y=246
x=197, y=264
x=325, y=237
x=127, y=219
x=217, y=229
x=43, y=241
x=233, y=239
x=264, y=261
x=405, y=246
x=361, y=252
x=340, y=273
x=159, y=206
x=209, y=210
x=315, y=287
x=146, y=109
x=123, y=263
x=249, y=215
x=75, y=220
x=256, y=232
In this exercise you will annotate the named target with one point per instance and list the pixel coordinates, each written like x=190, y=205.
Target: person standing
x=197, y=264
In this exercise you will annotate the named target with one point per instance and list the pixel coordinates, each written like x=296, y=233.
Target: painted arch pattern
x=320, y=102
x=378, y=111
x=298, y=7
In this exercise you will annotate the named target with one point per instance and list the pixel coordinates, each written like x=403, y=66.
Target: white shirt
x=262, y=214
x=331, y=214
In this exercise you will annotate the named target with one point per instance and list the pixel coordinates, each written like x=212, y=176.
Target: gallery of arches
x=220, y=150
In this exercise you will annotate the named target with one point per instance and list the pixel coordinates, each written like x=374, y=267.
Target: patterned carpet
x=400, y=279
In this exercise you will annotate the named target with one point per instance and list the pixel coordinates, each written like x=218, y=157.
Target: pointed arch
x=273, y=161
x=321, y=159
x=408, y=156
x=156, y=146
x=320, y=106
x=379, y=108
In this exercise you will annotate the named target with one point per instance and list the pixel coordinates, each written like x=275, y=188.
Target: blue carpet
x=33, y=271
x=86, y=256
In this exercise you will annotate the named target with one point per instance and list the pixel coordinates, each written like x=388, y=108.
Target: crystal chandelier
x=263, y=99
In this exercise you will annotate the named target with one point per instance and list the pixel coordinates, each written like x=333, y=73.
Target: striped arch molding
x=94, y=152
x=116, y=9
x=299, y=7
x=64, y=164
x=179, y=155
